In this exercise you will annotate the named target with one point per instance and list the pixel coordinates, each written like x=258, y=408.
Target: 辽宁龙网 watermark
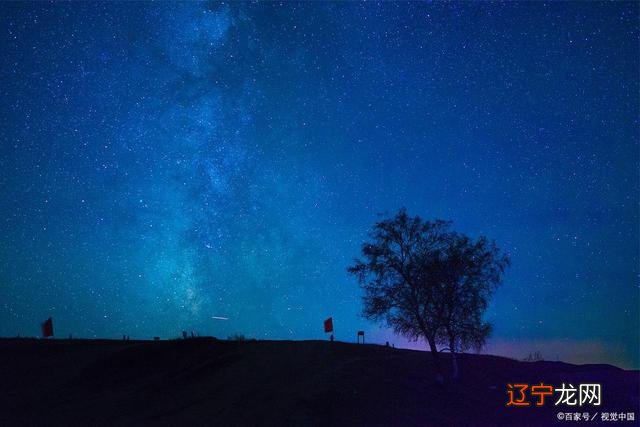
x=521, y=394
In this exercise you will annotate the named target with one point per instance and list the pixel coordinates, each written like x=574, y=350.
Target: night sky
x=165, y=164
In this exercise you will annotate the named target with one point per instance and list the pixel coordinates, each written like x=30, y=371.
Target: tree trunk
x=454, y=360
x=436, y=360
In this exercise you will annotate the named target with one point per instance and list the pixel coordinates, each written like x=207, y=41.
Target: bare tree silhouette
x=427, y=281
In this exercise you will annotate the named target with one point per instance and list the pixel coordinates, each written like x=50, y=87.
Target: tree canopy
x=428, y=281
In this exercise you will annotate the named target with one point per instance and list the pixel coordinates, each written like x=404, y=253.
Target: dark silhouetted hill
x=228, y=383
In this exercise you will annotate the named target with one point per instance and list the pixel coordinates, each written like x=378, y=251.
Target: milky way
x=215, y=167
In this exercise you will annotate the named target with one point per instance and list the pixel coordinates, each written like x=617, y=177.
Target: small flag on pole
x=328, y=325
x=47, y=328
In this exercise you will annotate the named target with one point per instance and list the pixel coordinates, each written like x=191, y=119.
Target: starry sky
x=166, y=164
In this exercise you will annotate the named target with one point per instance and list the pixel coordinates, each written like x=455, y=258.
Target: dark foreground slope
x=210, y=382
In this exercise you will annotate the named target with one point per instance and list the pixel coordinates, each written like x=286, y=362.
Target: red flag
x=47, y=328
x=328, y=325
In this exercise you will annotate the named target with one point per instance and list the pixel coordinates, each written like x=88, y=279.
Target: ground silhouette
x=210, y=382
